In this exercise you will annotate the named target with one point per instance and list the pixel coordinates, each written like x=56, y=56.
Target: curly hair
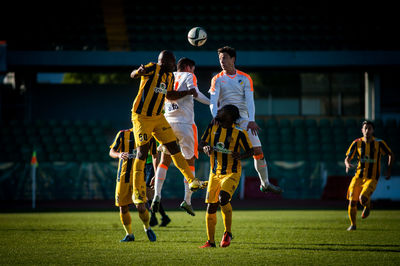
x=233, y=110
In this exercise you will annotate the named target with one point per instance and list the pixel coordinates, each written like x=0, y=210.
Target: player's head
x=167, y=60
x=367, y=129
x=227, y=57
x=227, y=115
x=186, y=65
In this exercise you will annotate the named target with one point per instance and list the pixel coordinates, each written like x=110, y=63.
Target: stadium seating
x=288, y=140
x=55, y=140
x=263, y=26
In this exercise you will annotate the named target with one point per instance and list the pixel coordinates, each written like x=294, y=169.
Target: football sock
x=188, y=192
x=144, y=216
x=352, y=214
x=126, y=222
x=226, y=212
x=183, y=166
x=161, y=210
x=261, y=167
x=211, y=221
x=161, y=173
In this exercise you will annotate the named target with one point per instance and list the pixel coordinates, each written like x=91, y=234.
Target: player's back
x=182, y=110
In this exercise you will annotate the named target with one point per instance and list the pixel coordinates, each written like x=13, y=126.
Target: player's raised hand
x=252, y=125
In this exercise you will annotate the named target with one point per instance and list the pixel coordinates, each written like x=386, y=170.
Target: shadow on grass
x=326, y=247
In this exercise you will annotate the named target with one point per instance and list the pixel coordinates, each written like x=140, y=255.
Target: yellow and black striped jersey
x=369, y=156
x=125, y=142
x=153, y=88
x=224, y=141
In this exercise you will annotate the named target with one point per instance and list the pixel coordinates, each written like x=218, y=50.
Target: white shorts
x=255, y=140
x=186, y=135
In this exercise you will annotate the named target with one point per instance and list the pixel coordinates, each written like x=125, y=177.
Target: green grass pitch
x=265, y=237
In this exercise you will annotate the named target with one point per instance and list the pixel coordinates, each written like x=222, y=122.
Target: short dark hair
x=368, y=122
x=233, y=110
x=184, y=61
x=229, y=50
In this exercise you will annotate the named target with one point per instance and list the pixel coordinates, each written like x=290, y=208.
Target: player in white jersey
x=235, y=87
x=179, y=113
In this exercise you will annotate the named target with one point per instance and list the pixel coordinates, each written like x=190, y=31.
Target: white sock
x=262, y=170
x=188, y=192
x=161, y=173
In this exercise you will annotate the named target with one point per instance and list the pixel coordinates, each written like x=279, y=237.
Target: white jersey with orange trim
x=236, y=90
x=182, y=110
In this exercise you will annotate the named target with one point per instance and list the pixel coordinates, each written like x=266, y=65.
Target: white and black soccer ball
x=197, y=36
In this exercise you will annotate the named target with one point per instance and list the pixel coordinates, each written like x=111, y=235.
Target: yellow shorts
x=123, y=188
x=218, y=182
x=146, y=126
x=361, y=187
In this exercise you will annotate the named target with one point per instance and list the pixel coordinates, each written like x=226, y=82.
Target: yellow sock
x=211, y=222
x=126, y=222
x=226, y=212
x=352, y=214
x=181, y=163
x=144, y=216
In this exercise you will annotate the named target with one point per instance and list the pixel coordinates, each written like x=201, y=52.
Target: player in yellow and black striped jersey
x=156, y=84
x=368, y=151
x=124, y=148
x=223, y=141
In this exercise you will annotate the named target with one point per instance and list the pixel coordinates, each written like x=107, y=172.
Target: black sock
x=161, y=210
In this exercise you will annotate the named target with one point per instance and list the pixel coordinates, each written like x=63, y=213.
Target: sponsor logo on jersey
x=162, y=89
x=220, y=147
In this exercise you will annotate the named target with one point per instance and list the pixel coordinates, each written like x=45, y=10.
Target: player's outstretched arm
x=390, y=163
x=175, y=95
x=242, y=156
x=138, y=72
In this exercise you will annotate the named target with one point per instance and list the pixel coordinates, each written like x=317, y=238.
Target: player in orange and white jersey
x=235, y=87
x=179, y=113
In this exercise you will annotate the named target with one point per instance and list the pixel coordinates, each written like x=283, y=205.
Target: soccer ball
x=197, y=36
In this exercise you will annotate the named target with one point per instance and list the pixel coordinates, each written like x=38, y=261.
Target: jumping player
x=179, y=112
x=235, y=87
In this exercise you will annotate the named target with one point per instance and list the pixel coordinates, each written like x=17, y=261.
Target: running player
x=124, y=148
x=179, y=113
x=235, y=87
x=157, y=81
x=222, y=142
x=369, y=151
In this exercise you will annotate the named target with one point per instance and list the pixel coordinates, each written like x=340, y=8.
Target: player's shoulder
x=244, y=74
x=357, y=140
x=219, y=75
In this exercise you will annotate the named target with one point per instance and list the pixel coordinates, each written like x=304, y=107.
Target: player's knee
x=172, y=147
x=141, y=208
x=212, y=207
x=124, y=209
x=363, y=200
x=224, y=198
x=352, y=203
